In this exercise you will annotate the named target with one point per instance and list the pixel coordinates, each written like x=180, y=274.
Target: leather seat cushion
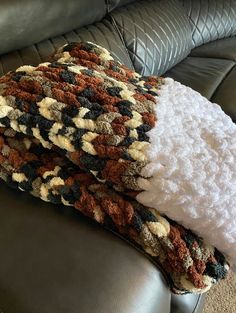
x=222, y=49
x=213, y=78
x=202, y=74
x=101, y=33
x=225, y=94
x=157, y=34
x=54, y=261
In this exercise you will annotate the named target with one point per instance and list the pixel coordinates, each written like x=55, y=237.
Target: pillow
x=87, y=132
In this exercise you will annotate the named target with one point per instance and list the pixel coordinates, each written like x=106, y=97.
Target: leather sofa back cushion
x=102, y=33
x=211, y=19
x=157, y=34
x=26, y=22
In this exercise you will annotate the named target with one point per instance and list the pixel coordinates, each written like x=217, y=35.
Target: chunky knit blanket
x=85, y=131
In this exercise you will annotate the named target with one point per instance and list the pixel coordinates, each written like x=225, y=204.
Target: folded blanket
x=87, y=132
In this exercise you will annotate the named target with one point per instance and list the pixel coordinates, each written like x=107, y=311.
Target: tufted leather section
x=221, y=48
x=26, y=22
x=157, y=34
x=100, y=33
x=211, y=19
x=202, y=74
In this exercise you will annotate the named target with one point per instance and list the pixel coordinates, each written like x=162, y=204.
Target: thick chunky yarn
x=191, y=174
x=75, y=131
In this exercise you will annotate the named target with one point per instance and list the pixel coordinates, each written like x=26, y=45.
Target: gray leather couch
x=54, y=260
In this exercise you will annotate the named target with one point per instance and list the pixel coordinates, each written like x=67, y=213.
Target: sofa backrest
x=211, y=19
x=156, y=33
x=26, y=22
x=148, y=35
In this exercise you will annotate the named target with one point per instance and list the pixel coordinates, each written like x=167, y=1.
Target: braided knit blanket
x=82, y=130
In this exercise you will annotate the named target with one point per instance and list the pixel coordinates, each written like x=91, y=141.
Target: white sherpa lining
x=191, y=176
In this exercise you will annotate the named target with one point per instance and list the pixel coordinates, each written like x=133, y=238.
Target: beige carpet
x=222, y=298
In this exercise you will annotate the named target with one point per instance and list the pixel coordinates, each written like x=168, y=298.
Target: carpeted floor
x=222, y=298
